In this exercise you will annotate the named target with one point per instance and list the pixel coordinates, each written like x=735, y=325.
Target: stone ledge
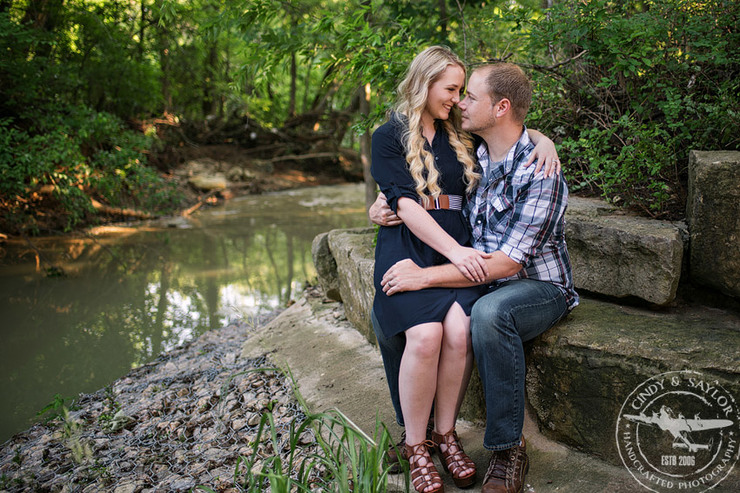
x=581, y=371
x=356, y=261
x=622, y=256
x=611, y=254
x=713, y=214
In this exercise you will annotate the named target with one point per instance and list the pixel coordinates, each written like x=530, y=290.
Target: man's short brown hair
x=507, y=80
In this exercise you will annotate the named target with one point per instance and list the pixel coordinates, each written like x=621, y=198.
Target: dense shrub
x=59, y=148
x=646, y=82
x=70, y=157
x=627, y=88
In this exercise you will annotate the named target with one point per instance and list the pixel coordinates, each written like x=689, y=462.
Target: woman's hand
x=403, y=276
x=470, y=262
x=546, y=155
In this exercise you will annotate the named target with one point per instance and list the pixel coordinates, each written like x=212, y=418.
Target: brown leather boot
x=506, y=470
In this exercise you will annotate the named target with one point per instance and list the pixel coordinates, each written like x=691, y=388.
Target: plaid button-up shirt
x=522, y=216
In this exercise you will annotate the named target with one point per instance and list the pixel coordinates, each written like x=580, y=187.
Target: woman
x=422, y=163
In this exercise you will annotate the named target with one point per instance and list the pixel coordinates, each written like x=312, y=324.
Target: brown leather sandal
x=454, y=459
x=395, y=453
x=426, y=475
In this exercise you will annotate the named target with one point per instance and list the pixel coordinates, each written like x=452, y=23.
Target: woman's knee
x=457, y=338
x=425, y=342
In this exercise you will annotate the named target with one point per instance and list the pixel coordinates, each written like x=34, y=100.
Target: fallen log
x=119, y=211
x=297, y=157
x=201, y=201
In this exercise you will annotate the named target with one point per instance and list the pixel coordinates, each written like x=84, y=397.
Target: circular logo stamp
x=679, y=431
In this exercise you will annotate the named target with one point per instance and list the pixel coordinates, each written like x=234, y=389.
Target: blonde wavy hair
x=413, y=91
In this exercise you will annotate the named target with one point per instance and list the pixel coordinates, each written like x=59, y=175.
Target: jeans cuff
x=498, y=448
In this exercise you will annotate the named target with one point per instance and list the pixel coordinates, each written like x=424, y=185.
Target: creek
x=79, y=312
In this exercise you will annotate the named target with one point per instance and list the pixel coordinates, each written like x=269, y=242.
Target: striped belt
x=451, y=202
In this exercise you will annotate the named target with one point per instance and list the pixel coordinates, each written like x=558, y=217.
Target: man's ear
x=504, y=107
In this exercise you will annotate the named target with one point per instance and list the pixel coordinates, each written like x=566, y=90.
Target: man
x=519, y=219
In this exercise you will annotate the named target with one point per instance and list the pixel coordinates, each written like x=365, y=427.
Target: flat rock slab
x=581, y=372
x=713, y=213
x=622, y=255
x=335, y=366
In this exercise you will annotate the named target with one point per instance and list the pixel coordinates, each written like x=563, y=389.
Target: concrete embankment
x=336, y=367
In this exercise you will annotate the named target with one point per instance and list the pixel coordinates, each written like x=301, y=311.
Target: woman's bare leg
x=417, y=383
x=455, y=367
x=417, y=378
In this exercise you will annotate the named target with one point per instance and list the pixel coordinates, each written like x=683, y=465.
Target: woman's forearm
x=424, y=227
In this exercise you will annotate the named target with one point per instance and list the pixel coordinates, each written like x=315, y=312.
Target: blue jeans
x=502, y=320
x=510, y=314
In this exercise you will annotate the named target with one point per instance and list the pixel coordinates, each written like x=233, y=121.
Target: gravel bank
x=177, y=423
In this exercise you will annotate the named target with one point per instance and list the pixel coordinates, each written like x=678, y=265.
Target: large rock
x=580, y=372
x=355, y=258
x=713, y=213
x=208, y=182
x=326, y=267
x=611, y=254
x=621, y=256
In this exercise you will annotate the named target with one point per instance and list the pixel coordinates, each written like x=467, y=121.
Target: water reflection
x=125, y=298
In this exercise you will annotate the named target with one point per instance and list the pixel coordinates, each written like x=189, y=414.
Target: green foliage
x=347, y=460
x=72, y=430
x=643, y=83
x=626, y=88
x=55, y=408
x=77, y=154
x=353, y=460
x=65, y=87
x=58, y=409
x=112, y=407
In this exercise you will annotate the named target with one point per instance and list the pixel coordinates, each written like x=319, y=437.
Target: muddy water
x=77, y=313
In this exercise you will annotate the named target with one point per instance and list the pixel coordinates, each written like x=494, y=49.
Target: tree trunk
x=307, y=86
x=293, y=77
x=365, y=145
x=164, y=61
x=366, y=138
x=43, y=15
x=142, y=24
x=227, y=70
x=208, y=104
x=443, y=18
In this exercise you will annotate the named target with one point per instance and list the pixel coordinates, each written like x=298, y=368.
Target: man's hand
x=380, y=214
x=405, y=275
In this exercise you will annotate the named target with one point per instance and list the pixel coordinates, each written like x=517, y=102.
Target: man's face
x=478, y=112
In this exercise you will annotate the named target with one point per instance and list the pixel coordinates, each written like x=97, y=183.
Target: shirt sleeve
x=539, y=206
x=389, y=168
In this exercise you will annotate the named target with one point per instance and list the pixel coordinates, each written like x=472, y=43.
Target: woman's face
x=444, y=93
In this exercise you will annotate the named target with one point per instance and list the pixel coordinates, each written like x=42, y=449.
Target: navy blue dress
x=402, y=311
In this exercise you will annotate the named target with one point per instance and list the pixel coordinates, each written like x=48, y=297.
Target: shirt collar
x=512, y=157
